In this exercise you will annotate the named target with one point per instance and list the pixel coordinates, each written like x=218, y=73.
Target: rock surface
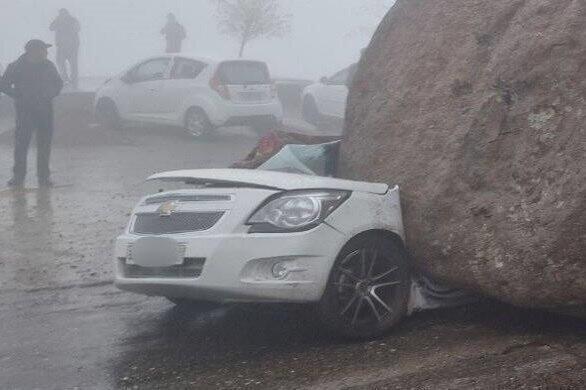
x=477, y=110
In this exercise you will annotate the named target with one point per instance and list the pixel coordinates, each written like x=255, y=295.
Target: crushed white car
x=261, y=236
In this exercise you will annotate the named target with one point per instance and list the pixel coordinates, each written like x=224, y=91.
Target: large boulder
x=477, y=110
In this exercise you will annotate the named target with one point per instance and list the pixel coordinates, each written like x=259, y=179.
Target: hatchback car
x=270, y=237
x=195, y=93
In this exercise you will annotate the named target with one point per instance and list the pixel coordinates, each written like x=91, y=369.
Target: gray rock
x=477, y=110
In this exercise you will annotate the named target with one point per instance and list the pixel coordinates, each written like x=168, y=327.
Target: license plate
x=156, y=252
x=252, y=96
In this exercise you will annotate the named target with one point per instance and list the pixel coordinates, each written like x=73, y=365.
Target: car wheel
x=107, y=115
x=368, y=288
x=197, y=123
x=310, y=112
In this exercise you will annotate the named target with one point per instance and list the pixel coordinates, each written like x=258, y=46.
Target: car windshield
x=244, y=72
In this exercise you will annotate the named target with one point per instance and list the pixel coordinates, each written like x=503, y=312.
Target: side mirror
x=324, y=80
x=158, y=76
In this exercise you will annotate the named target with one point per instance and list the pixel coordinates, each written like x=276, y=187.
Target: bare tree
x=248, y=20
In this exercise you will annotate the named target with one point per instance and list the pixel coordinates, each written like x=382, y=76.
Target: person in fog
x=174, y=34
x=66, y=29
x=32, y=81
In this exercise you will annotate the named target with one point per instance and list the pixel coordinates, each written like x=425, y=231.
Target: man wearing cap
x=32, y=81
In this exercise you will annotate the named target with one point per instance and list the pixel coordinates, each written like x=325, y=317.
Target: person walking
x=66, y=29
x=32, y=81
x=174, y=34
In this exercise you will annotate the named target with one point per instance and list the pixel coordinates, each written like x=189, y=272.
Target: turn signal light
x=220, y=88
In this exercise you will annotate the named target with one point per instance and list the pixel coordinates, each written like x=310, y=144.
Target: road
x=64, y=326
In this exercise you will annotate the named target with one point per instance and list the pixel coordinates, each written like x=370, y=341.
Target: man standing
x=66, y=29
x=32, y=81
x=174, y=34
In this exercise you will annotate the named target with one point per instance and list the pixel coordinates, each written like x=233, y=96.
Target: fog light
x=280, y=270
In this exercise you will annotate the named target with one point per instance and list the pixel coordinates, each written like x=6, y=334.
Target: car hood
x=266, y=179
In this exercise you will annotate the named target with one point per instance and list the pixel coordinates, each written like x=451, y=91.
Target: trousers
x=31, y=119
x=65, y=56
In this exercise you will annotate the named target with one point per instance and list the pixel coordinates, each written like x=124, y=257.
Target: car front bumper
x=239, y=267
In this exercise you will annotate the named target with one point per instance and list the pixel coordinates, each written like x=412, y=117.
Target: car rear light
x=220, y=88
x=274, y=92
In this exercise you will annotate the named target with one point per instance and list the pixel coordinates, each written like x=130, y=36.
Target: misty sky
x=326, y=35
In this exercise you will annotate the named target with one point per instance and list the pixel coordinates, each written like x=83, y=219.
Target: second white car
x=195, y=93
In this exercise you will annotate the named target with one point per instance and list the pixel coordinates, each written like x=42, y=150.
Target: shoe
x=47, y=183
x=15, y=183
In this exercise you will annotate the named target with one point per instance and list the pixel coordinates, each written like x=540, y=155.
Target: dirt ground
x=64, y=326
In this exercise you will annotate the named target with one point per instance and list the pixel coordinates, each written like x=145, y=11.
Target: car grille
x=190, y=269
x=157, y=199
x=153, y=223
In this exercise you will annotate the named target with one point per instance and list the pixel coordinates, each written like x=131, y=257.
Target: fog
x=326, y=35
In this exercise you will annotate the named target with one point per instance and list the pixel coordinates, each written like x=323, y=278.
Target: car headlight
x=296, y=211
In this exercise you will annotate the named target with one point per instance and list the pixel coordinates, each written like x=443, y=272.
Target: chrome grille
x=180, y=222
x=157, y=199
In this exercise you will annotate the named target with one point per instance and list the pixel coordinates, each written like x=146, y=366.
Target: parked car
x=327, y=98
x=259, y=236
x=195, y=93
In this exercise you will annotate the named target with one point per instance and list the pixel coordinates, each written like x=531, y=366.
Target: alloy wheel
x=196, y=123
x=365, y=282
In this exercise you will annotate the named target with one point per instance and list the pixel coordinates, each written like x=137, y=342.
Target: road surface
x=64, y=326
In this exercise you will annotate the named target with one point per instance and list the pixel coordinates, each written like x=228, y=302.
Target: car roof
x=196, y=57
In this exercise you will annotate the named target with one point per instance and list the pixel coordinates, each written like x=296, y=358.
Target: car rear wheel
x=197, y=123
x=368, y=289
x=311, y=113
x=107, y=115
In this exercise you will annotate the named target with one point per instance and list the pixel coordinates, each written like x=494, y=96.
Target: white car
x=327, y=98
x=192, y=92
x=270, y=237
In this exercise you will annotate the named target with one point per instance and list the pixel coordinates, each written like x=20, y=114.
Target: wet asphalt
x=64, y=326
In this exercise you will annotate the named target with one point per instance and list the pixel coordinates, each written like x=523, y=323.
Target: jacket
x=31, y=83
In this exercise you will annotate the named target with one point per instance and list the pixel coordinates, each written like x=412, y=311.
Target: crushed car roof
x=267, y=179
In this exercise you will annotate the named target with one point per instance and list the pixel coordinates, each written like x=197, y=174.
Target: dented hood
x=266, y=179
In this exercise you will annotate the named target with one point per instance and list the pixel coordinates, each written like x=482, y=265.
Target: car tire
x=368, y=289
x=107, y=115
x=311, y=113
x=197, y=123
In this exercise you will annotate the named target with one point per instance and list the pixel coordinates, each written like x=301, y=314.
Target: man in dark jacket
x=174, y=34
x=32, y=81
x=66, y=29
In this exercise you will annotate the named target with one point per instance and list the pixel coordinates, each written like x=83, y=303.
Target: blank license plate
x=156, y=252
x=252, y=96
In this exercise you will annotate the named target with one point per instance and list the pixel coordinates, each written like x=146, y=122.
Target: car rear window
x=244, y=72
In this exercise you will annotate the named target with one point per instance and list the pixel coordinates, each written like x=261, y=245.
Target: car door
x=142, y=91
x=182, y=83
x=335, y=93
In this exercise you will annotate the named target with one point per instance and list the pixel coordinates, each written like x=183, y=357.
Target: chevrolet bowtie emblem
x=167, y=208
